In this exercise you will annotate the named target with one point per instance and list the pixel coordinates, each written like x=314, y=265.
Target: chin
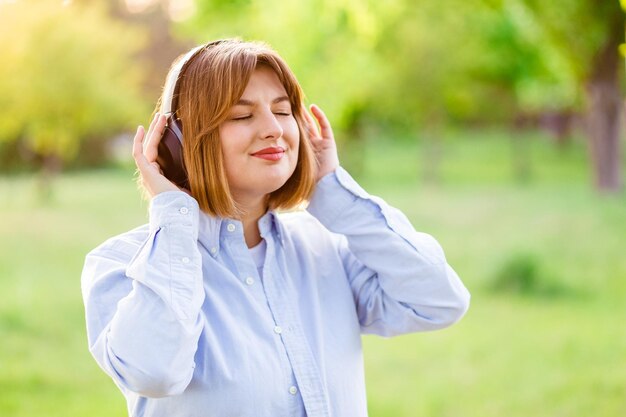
x=274, y=184
x=262, y=181
x=275, y=176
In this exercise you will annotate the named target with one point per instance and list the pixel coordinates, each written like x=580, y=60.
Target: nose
x=270, y=126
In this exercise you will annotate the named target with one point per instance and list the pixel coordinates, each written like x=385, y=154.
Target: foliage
x=323, y=41
x=67, y=77
x=522, y=273
x=415, y=64
x=521, y=57
x=364, y=61
x=418, y=66
x=575, y=28
x=394, y=66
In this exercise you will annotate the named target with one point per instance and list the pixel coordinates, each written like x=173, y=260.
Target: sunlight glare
x=138, y=6
x=180, y=10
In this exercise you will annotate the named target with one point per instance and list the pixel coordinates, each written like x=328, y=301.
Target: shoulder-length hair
x=209, y=85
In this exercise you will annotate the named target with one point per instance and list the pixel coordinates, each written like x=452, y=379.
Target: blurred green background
x=495, y=125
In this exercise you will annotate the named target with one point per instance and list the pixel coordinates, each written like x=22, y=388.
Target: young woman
x=221, y=306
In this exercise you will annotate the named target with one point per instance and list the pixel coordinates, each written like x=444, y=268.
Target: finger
x=322, y=120
x=311, y=128
x=152, y=146
x=138, y=156
x=310, y=118
x=310, y=123
x=151, y=127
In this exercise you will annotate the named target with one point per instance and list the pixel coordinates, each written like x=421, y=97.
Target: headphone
x=170, y=149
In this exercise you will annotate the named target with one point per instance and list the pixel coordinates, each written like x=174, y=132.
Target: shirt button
x=293, y=390
x=183, y=210
x=213, y=250
x=230, y=227
x=278, y=330
x=185, y=260
x=249, y=280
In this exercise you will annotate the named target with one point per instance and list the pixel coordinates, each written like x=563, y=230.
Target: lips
x=272, y=153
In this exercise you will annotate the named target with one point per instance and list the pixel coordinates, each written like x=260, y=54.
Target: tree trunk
x=50, y=168
x=605, y=105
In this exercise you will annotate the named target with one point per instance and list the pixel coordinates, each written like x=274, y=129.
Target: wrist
x=327, y=170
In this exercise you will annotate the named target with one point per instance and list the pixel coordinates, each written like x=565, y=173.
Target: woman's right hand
x=145, y=157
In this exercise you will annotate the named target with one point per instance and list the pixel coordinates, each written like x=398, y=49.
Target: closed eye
x=244, y=117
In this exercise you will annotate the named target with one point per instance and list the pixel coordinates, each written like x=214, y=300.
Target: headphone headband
x=172, y=80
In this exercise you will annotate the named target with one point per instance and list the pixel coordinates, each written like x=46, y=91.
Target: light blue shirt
x=180, y=318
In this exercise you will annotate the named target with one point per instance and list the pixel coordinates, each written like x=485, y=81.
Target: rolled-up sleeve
x=399, y=277
x=143, y=299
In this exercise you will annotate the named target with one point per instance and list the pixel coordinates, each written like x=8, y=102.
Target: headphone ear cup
x=170, y=153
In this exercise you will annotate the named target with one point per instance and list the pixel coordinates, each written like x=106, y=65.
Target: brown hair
x=209, y=85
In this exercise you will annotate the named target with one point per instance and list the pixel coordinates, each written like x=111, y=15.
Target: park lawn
x=555, y=352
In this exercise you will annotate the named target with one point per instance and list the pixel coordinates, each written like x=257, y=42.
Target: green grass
x=555, y=354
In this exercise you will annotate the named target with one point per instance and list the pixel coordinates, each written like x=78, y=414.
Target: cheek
x=231, y=143
x=294, y=144
x=229, y=155
x=293, y=134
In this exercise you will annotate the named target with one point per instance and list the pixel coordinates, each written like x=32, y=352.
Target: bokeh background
x=495, y=125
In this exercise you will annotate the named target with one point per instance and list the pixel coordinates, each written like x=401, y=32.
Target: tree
x=421, y=65
x=588, y=34
x=529, y=56
x=66, y=78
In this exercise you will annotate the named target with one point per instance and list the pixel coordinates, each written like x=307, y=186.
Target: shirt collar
x=211, y=228
x=270, y=222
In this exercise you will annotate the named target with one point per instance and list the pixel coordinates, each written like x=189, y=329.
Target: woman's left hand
x=322, y=141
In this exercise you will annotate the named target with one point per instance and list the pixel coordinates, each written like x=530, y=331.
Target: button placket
x=302, y=363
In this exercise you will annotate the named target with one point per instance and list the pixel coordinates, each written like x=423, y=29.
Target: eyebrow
x=244, y=102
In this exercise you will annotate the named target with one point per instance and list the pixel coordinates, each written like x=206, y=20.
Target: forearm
x=406, y=268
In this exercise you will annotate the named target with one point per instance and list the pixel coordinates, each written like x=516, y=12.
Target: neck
x=252, y=211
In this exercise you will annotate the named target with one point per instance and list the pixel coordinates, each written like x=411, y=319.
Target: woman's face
x=260, y=138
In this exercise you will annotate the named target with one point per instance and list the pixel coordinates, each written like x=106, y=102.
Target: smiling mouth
x=270, y=154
